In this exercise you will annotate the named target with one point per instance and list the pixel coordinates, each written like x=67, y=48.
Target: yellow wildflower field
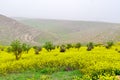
x=98, y=61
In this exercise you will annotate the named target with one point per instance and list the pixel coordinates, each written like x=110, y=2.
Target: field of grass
x=40, y=75
x=73, y=64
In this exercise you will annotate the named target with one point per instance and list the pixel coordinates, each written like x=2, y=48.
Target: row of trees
x=17, y=47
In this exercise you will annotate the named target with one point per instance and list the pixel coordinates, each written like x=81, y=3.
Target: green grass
x=66, y=75
x=37, y=74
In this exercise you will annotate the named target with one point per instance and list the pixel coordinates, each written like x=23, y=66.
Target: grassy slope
x=74, y=31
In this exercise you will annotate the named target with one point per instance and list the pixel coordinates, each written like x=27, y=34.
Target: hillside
x=38, y=31
x=11, y=29
x=63, y=31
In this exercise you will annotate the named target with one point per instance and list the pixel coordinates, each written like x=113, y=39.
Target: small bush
x=62, y=48
x=2, y=49
x=9, y=49
x=49, y=46
x=78, y=45
x=90, y=46
x=68, y=46
x=109, y=45
x=37, y=49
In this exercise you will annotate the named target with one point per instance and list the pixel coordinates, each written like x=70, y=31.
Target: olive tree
x=17, y=48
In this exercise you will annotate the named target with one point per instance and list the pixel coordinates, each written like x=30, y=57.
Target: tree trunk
x=17, y=57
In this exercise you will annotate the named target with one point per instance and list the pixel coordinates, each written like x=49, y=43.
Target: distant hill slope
x=11, y=29
x=38, y=31
x=63, y=31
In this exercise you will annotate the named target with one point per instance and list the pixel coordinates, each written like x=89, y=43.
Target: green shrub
x=62, y=48
x=57, y=46
x=49, y=46
x=109, y=44
x=90, y=46
x=9, y=49
x=2, y=48
x=68, y=46
x=37, y=49
x=78, y=45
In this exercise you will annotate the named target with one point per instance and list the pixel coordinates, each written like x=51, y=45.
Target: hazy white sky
x=95, y=10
